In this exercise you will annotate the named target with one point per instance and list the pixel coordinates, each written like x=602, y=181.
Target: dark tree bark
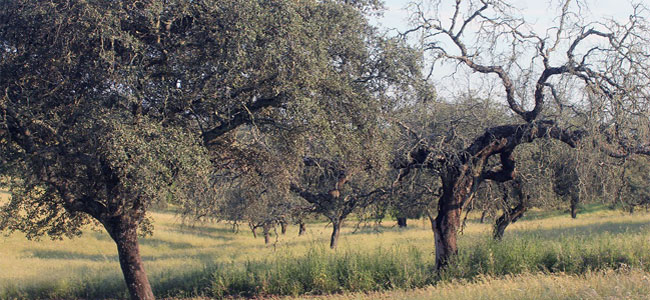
x=336, y=230
x=283, y=227
x=401, y=222
x=124, y=232
x=483, y=215
x=508, y=218
x=302, y=229
x=511, y=214
x=462, y=170
x=266, y=229
x=461, y=173
x=574, y=206
x=254, y=231
x=445, y=229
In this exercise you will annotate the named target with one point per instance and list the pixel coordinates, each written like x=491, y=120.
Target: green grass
x=211, y=260
x=623, y=284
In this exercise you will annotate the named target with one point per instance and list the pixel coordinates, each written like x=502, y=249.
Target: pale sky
x=541, y=14
x=535, y=11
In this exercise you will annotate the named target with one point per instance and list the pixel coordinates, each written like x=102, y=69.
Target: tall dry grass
x=212, y=260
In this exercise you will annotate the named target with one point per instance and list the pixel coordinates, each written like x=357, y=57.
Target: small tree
x=636, y=180
x=336, y=192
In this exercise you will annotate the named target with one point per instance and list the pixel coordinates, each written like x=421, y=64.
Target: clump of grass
x=622, y=284
x=321, y=271
x=572, y=254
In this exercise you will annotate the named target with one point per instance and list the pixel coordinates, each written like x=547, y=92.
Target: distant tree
x=567, y=182
x=336, y=190
x=636, y=183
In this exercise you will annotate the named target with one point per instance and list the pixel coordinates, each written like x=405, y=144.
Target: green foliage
x=636, y=182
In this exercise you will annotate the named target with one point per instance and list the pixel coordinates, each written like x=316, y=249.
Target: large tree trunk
x=124, y=232
x=302, y=229
x=508, y=218
x=401, y=222
x=458, y=187
x=336, y=230
x=445, y=229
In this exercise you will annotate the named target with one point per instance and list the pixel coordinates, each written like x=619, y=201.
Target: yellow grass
x=176, y=249
x=627, y=284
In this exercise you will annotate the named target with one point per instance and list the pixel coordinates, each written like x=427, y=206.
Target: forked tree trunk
x=124, y=233
x=302, y=229
x=336, y=230
x=401, y=222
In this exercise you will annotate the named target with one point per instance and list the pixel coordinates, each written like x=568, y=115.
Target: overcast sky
x=535, y=11
x=541, y=14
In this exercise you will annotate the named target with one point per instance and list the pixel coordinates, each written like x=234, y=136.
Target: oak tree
x=594, y=72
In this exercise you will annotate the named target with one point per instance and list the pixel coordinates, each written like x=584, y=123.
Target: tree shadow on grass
x=68, y=255
x=71, y=255
x=159, y=243
x=206, y=232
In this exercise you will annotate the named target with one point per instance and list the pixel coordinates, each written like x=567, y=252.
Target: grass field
x=622, y=284
x=211, y=260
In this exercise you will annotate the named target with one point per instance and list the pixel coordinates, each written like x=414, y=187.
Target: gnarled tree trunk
x=510, y=214
x=445, y=228
x=508, y=218
x=124, y=232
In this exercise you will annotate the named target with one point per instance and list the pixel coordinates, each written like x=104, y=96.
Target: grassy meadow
x=602, y=252
x=621, y=284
